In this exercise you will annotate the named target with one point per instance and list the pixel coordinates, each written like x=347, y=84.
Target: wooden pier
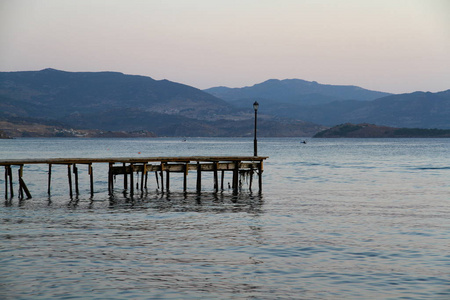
x=127, y=167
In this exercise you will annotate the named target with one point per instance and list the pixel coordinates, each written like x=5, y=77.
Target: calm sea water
x=337, y=219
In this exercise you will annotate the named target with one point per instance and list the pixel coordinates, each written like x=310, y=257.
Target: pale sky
x=396, y=46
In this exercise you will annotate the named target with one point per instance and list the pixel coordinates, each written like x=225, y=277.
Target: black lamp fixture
x=255, y=142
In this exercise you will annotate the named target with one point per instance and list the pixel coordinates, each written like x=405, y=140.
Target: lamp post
x=255, y=142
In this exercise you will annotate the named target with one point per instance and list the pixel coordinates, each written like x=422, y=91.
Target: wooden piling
x=6, y=182
x=161, y=173
x=69, y=175
x=146, y=176
x=199, y=177
x=22, y=186
x=110, y=180
x=221, y=180
x=167, y=179
x=216, y=181
x=19, y=175
x=125, y=177
x=251, y=179
x=236, y=177
x=157, y=179
x=185, y=173
x=144, y=171
x=75, y=172
x=49, y=178
x=260, y=170
x=11, y=189
x=91, y=178
x=131, y=180
x=25, y=188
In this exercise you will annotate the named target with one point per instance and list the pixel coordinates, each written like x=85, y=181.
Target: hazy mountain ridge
x=93, y=91
x=295, y=91
x=330, y=105
x=112, y=101
x=414, y=110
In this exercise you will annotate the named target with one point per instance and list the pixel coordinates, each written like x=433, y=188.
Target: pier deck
x=128, y=166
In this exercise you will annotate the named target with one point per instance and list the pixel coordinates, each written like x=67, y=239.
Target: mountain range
x=330, y=105
x=112, y=101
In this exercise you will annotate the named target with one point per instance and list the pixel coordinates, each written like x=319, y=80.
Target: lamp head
x=255, y=105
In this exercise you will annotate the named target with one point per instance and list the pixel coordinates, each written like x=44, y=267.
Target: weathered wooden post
x=236, y=177
x=19, y=175
x=144, y=171
x=146, y=175
x=125, y=177
x=110, y=180
x=222, y=179
x=167, y=178
x=22, y=186
x=91, y=177
x=216, y=181
x=260, y=170
x=131, y=179
x=6, y=182
x=75, y=172
x=49, y=178
x=185, y=173
x=251, y=178
x=162, y=177
x=69, y=175
x=11, y=188
x=199, y=177
x=157, y=179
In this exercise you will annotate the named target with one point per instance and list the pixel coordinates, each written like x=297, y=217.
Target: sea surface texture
x=337, y=219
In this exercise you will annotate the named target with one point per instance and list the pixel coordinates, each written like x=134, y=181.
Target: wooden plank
x=65, y=161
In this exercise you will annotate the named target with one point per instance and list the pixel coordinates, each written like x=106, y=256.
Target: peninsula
x=365, y=130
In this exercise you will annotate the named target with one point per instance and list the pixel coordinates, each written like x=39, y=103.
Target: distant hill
x=293, y=91
x=52, y=93
x=330, y=105
x=57, y=101
x=349, y=130
x=414, y=110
